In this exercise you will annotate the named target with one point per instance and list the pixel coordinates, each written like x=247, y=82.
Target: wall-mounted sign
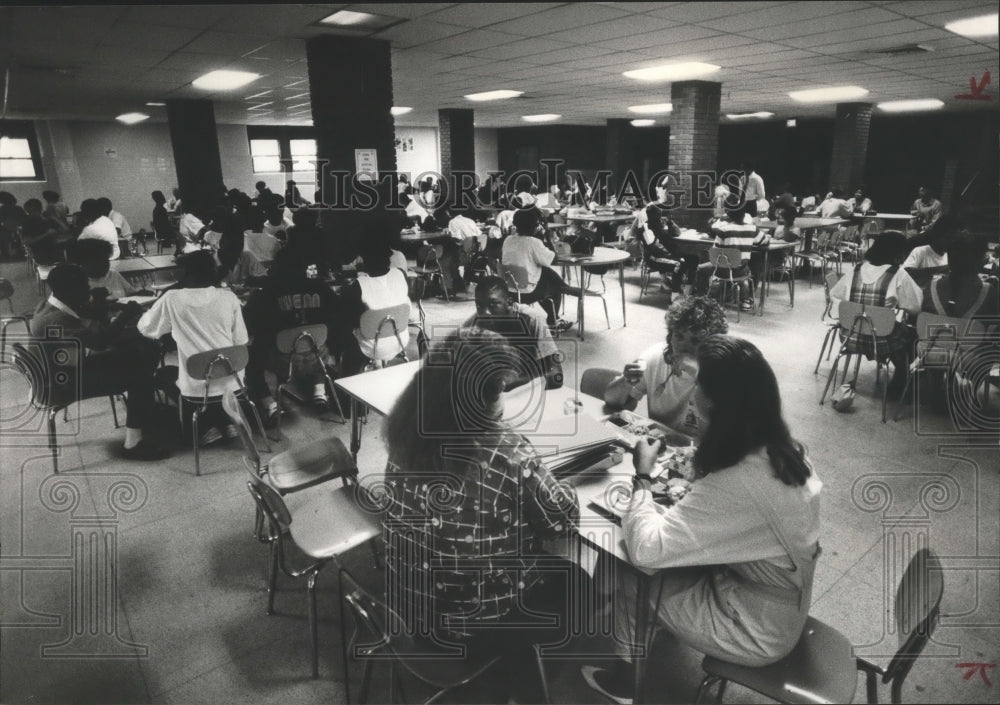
x=366, y=164
x=111, y=153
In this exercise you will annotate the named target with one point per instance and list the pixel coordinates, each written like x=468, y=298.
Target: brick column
x=618, y=152
x=694, y=141
x=350, y=86
x=458, y=142
x=850, y=146
x=196, y=153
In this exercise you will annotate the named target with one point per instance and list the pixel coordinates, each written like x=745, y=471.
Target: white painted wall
x=417, y=151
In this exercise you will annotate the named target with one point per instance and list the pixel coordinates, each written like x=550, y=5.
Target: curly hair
x=701, y=316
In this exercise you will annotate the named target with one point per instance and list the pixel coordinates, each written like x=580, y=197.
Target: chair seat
x=330, y=522
x=820, y=669
x=425, y=270
x=308, y=465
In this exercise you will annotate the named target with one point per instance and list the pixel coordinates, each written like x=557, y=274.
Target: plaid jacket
x=902, y=336
x=463, y=539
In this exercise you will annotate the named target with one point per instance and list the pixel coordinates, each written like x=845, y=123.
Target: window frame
x=284, y=134
x=24, y=129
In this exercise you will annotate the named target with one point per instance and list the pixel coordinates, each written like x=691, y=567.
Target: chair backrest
x=725, y=257
x=301, y=339
x=470, y=245
x=52, y=370
x=868, y=320
x=377, y=324
x=830, y=281
x=822, y=240
x=202, y=365
x=231, y=406
x=270, y=504
x=624, y=232
x=918, y=609
x=427, y=257
x=595, y=380
x=519, y=274
x=6, y=289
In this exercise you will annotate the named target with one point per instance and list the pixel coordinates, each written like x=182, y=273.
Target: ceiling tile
x=525, y=47
x=224, y=44
x=694, y=12
x=482, y=15
x=416, y=32
x=196, y=16
x=615, y=29
x=664, y=38
x=560, y=18
x=129, y=35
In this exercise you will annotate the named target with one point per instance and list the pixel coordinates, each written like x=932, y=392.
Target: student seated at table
x=925, y=210
x=39, y=234
x=292, y=296
x=120, y=222
x=379, y=285
x=738, y=231
x=446, y=436
x=56, y=211
x=98, y=226
x=659, y=241
x=880, y=281
x=191, y=229
x=962, y=291
x=528, y=334
x=174, y=203
x=200, y=317
x=238, y=267
x=665, y=374
x=118, y=359
x=162, y=227
x=92, y=256
x=264, y=246
x=835, y=205
x=859, y=202
x=736, y=556
x=522, y=248
x=935, y=253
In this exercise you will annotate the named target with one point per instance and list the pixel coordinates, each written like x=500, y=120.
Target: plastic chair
x=326, y=525
x=378, y=324
x=820, y=669
x=476, y=264
x=857, y=319
x=380, y=634
x=728, y=258
x=36, y=371
x=7, y=294
x=201, y=366
x=516, y=278
x=942, y=342
x=291, y=342
x=816, y=255
x=595, y=380
x=428, y=269
x=830, y=281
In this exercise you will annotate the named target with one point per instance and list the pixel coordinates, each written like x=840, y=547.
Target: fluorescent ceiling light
x=260, y=95
x=307, y=106
x=984, y=26
x=494, y=95
x=347, y=18
x=672, y=72
x=643, y=122
x=742, y=116
x=905, y=106
x=828, y=95
x=224, y=80
x=545, y=117
x=401, y=110
x=652, y=108
x=791, y=122
x=132, y=118
x=261, y=106
x=155, y=105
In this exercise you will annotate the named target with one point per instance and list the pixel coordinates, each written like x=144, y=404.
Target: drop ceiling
x=94, y=62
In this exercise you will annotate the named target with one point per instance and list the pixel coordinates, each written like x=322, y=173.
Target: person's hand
x=632, y=373
x=644, y=454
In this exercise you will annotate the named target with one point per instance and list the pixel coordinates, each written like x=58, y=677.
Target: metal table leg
x=621, y=283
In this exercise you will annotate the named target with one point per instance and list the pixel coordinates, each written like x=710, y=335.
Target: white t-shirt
x=117, y=285
x=199, y=320
x=669, y=391
x=120, y=223
x=262, y=245
x=190, y=225
x=103, y=229
x=924, y=257
x=462, y=228
x=527, y=252
x=398, y=260
x=388, y=290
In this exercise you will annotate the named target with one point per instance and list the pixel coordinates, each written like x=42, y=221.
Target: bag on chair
x=843, y=398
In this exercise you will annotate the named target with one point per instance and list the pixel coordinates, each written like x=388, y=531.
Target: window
x=285, y=150
x=20, y=159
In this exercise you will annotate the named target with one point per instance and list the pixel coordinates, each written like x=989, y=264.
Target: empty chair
x=326, y=525
x=202, y=366
x=428, y=270
x=856, y=320
x=815, y=255
x=832, y=326
x=7, y=294
x=821, y=668
x=381, y=333
x=595, y=380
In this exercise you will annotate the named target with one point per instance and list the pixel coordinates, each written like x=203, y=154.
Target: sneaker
x=746, y=305
x=562, y=325
x=270, y=417
x=321, y=402
x=212, y=435
x=230, y=432
x=599, y=679
x=145, y=450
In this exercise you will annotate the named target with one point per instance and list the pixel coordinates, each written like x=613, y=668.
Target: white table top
x=804, y=221
x=890, y=216
x=602, y=255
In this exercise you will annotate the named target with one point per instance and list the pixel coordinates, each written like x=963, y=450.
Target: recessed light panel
x=672, y=72
x=907, y=106
x=831, y=94
x=749, y=116
x=643, y=122
x=494, y=95
x=546, y=117
x=224, y=80
x=132, y=118
x=652, y=109
x=400, y=110
x=983, y=26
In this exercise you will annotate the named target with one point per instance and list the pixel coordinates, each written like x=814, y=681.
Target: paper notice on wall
x=111, y=153
x=366, y=164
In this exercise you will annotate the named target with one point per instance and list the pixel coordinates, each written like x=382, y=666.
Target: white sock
x=132, y=437
x=319, y=391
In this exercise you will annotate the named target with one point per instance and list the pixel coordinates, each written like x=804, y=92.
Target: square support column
x=850, y=146
x=694, y=142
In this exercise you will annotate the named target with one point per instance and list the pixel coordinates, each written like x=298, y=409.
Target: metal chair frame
x=726, y=257
x=834, y=325
x=288, y=344
x=428, y=268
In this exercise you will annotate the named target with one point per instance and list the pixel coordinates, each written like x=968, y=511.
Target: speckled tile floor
x=187, y=624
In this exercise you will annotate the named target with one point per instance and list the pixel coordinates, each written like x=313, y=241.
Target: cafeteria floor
x=191, y=577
